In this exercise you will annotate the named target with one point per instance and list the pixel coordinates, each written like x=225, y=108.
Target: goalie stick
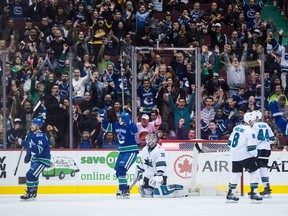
x=137, y=177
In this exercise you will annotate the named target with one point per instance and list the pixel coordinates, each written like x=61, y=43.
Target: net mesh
x=206, y=146
x=211, y=168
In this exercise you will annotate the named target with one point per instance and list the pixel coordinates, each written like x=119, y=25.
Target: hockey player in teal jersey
x=128, y=150
x=38, y=152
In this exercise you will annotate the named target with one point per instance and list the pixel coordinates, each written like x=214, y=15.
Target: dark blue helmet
x=37, y=121
x=125, y=117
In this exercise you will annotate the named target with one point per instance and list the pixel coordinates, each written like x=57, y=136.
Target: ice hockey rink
x=108, y=205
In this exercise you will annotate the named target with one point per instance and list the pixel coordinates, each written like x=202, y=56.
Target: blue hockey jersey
x=126, y=137
x=40, y=148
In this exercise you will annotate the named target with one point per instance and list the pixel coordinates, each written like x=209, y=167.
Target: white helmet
x=257, y=114
x=249, y=118
x=151, y=140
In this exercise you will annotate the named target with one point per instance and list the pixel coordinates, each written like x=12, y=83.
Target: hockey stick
x=18, y=162
x=198, y=148
x=122, y=80
x=137, y=177
x=275, y=166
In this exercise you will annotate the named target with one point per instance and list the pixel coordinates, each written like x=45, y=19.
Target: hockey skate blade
x=232, y=201
x=266, y=196
x=27, y=200
x=256, y=201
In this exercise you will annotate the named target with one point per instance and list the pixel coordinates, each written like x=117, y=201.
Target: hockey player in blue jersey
x=128, y=150
x=38, y=152
x=277, y=114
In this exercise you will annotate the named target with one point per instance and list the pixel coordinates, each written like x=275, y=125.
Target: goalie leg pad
x=145, y=192
x=164, y=191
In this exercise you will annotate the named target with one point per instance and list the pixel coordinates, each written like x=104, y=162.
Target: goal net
x=202, y=173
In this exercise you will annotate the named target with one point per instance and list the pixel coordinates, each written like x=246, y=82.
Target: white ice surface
x=108, y=205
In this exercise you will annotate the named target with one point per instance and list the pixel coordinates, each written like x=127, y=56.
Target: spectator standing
x=235, y=71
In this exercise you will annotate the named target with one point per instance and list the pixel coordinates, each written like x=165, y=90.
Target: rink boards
x=93, y=171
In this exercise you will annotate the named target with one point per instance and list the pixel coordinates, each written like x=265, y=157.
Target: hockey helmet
x=249, y=118
x=124, y=117
x=151, y=140
x=37, y=121
x=257, y=114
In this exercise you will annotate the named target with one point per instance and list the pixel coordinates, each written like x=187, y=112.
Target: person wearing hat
x=100, y=30
x=14, y=133
x=145, y=126
x=217, y=37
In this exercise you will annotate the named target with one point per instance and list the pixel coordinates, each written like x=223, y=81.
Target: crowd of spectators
x=38, y=36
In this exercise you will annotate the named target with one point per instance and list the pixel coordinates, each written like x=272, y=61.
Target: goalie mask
x=151, y=140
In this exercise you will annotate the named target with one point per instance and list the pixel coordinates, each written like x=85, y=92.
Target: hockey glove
x=156, y=181
x=27, y=157
x=275, y=109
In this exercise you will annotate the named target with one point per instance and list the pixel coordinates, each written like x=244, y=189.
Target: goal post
x=205, y=173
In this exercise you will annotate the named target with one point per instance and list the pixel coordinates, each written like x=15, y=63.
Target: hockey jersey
x=153, y=162
x=40, y=148
x=264, y=135
x=126, y=137
x=242, y=143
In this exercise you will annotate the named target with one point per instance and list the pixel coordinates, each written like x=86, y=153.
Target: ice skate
x=118, y=194
x=251, y=193
x=256, y=199
x=28, y=196
x=267, y=192
x=123, y=194
x=230, y=198
x=126, y=194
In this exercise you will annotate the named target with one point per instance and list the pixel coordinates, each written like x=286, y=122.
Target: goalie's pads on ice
x=163, y=191
x=174, y=191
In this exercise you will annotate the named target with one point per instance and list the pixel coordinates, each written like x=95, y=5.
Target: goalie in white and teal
x=38, y=152
x=154, y=166
x=128, y=149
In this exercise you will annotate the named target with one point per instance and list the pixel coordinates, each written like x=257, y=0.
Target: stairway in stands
x=271, y=11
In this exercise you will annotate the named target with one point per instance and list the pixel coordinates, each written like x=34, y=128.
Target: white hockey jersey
x=153, y=161
x=264, y=135
x=242, y=143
